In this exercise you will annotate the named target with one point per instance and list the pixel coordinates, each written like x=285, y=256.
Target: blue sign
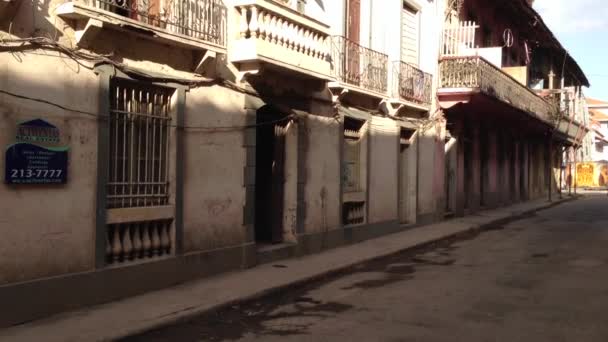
x=29, y=163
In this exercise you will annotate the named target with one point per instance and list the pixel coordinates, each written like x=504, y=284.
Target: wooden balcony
x=192, y=24
x=463, y=77
x=271, y=34
x=8, y=9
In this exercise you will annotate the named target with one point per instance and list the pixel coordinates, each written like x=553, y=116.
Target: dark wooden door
x=353, y=35
x=278, y=183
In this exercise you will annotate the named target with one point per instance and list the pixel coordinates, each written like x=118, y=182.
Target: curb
x=185, y=315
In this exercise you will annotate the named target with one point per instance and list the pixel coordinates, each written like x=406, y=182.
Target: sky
x=582, y=28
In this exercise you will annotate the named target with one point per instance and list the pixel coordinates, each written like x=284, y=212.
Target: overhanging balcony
x=272, y=35
x=571, y=130
x=358, y=69
x=412, y=86
x=192, y=24
x=8, y=9
x=462, y=78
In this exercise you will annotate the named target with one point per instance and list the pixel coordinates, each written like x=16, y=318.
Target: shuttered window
x=353, y=134
x=410, y=34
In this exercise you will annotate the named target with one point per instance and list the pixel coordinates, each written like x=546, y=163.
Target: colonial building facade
x=153, y=142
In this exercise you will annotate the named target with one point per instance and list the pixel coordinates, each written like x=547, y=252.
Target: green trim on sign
x=54, y=149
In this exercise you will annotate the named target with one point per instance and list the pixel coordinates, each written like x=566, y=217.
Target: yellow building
x=592, y=174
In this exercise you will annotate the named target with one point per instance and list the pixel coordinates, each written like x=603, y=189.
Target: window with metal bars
x=140, y=117
x=351, y=176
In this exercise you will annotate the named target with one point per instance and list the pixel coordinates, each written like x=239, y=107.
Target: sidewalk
x=138, y=314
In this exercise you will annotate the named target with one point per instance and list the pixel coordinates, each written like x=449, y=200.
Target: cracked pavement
x=541, y=278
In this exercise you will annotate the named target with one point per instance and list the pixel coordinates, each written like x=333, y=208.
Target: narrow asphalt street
x=541, y=278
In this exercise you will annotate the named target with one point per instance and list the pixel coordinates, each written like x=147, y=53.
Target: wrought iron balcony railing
x=412, y=84
x=477, y=73
x=203, y=20
x=359, y=66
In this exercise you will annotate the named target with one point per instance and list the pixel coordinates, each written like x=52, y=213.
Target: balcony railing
x=359, y=66
x=412, y=84
x=199, y=19
x=475, y=72
x=459, y=39
x=271, y=32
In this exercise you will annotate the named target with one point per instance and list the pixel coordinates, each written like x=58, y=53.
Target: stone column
x=549, y=168
x=517, y=169
x=525, y=175
x=475, y=181
x=491, y=185
x=460, y=169
x=503, y=171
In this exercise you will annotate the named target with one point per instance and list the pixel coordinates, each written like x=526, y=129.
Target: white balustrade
x=268, y=30
x=257, y=22
x=138, y=241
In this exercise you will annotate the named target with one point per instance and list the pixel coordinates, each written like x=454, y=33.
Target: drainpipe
x=371, y=22
x=571, y=174
x=575, y=170
x=561, y=171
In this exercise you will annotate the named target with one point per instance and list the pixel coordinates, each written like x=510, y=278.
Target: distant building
x=598, y=111
x=591, y=167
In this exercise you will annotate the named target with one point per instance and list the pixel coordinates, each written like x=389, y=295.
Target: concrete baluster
x=293, y=34
x=169, y=238
x=324, y=42
x=299, y=39
x=254, y=25
x=127, y=245
x=262, y=24
x=108, y=246
x=146, y=241
x=285, y=34
x=317, y=45
x=280, y=33
x=116, y=244
x=306, y=42
x=137, y=245
x=164, y=238
x=273, y=37
x=155, y=250
x=244, y=23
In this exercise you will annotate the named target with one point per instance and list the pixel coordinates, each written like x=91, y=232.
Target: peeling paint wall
x=383, y=167
x=322, y=174
x=214, y=195
x=49, y=229
x=431, y=173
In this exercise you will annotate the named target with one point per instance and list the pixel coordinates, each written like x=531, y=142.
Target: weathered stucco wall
x=321, y=160
x=383, y=167
x=49, y=230
x=431, y=173
x=214, y=195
